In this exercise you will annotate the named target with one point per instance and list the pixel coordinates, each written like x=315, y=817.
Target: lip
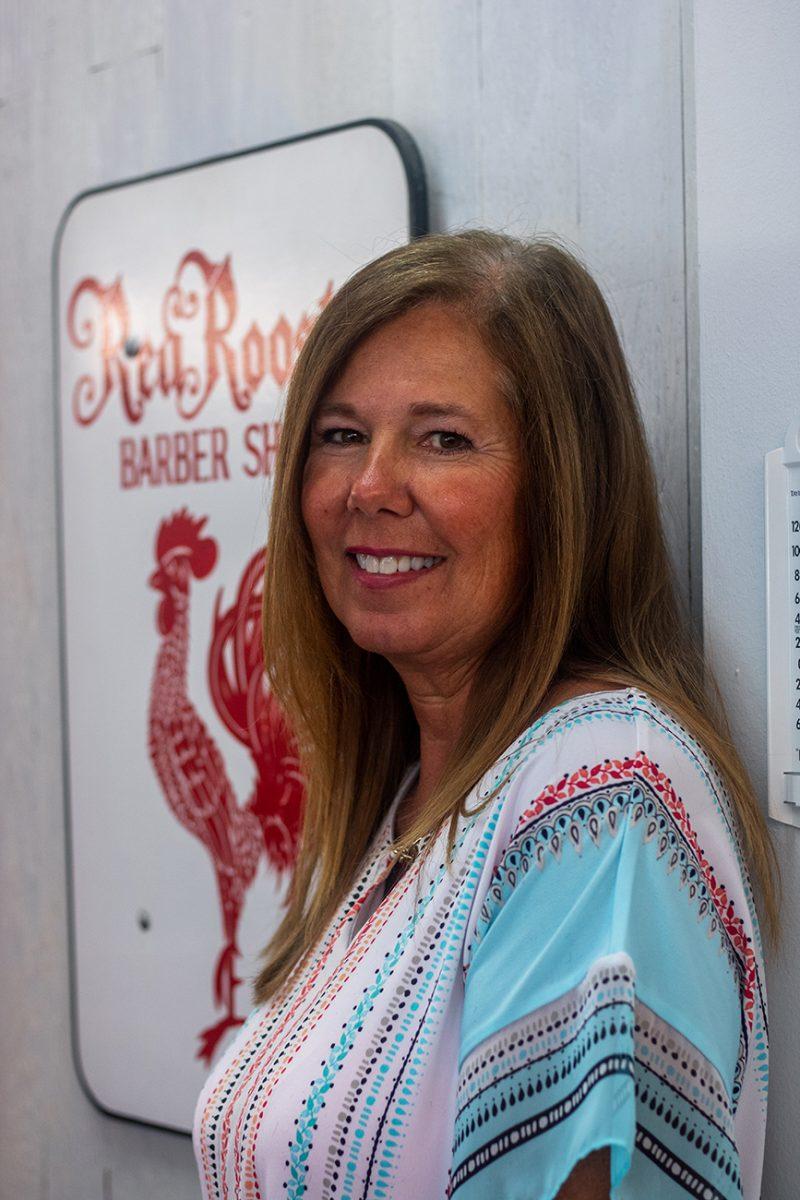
x=377, y=583
x=390, y=552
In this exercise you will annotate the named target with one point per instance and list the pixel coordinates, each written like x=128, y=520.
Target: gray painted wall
x=531, y=115
x=747, y=104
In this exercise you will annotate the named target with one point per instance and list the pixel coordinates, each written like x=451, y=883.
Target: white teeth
x=389, y=565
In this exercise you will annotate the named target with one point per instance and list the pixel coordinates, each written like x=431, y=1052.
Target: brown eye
x=450, y=441
x=340, y=437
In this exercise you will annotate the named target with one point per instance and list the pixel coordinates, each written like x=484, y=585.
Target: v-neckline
x=406, y=784
x=377, y=892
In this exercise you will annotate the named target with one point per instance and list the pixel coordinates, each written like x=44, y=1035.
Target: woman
x=521, y=956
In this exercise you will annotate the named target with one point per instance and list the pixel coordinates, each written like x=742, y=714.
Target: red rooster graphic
x=186, y=759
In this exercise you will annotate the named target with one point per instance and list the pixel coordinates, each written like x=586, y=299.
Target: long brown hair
x=600, y=604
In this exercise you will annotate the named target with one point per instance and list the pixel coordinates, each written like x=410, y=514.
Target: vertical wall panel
x=747, y=87
x=581, y=134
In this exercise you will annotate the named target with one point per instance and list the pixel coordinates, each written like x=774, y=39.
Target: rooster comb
x=181, y=529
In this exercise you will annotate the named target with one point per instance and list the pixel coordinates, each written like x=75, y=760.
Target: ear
x=204, y=557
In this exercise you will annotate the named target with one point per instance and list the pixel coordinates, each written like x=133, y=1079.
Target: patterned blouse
x=587, y=973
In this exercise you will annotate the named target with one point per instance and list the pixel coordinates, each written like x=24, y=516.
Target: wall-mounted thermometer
x=782, y=530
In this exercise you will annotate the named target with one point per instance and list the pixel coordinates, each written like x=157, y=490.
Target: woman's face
x=410, y=493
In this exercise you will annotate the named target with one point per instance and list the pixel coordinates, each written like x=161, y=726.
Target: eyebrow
x=422, y=408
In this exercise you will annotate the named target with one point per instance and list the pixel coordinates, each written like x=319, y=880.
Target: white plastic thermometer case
x=782, y=530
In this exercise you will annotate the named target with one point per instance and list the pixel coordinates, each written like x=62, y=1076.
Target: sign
x=181, y=303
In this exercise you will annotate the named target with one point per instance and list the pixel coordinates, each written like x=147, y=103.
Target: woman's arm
x=591, y=1179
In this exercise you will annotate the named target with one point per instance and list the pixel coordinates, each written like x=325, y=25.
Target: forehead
x=428, y=359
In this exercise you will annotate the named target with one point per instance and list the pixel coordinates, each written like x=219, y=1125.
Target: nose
x=380, y=484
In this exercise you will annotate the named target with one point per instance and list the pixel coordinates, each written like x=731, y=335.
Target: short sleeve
x=603, y=989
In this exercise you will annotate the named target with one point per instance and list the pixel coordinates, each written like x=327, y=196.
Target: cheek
x=316, y=506
x=481, y=518
x=315, y=518
x=308, y=512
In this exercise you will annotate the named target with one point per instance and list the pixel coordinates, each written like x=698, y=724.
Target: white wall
x=747, y=104
x=531, y=115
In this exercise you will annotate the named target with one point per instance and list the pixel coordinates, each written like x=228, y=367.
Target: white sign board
x=181, y=303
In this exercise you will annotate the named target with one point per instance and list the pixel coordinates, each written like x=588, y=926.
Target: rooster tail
x=235, y=654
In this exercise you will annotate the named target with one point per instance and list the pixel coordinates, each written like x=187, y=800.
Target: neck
x=172, y=659
x=439, y=704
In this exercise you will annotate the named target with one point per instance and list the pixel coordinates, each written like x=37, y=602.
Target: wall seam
x=691, y=320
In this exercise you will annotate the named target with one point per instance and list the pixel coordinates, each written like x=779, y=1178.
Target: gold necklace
x=407, y=855
x=411, y=853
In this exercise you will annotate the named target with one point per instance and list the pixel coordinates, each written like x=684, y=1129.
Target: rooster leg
x=210, y=1038
x=225, y=983
x=225, y=980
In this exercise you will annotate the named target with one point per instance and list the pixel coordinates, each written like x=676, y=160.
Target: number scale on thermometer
x=794, y=630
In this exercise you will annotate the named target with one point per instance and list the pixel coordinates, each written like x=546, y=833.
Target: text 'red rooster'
x=188, y=762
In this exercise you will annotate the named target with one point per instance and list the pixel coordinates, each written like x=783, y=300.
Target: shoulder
x=611, y=793
x=612, y=904
x=612, y=747
x=611, y=772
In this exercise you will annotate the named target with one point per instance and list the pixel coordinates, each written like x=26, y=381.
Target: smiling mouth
x=391, y=564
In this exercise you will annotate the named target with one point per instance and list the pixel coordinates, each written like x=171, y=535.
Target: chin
x=389, y=643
